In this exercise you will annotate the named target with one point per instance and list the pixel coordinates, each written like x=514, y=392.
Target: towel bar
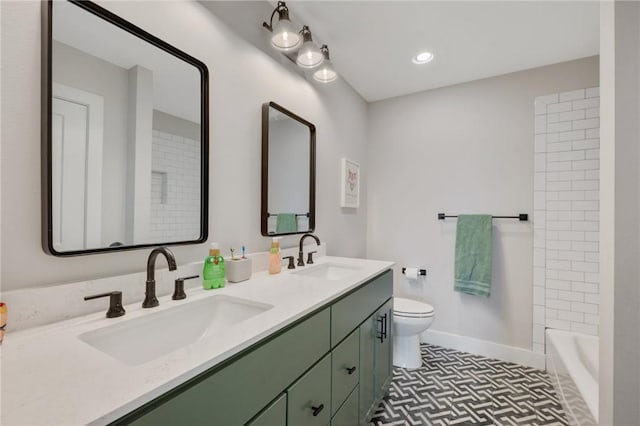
x=297, y=214
x=522, y=217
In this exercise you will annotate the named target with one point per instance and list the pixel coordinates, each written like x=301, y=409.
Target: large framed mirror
x=125, y=135
x=288, y=172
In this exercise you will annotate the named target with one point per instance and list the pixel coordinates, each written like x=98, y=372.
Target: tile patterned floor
x=457, y=388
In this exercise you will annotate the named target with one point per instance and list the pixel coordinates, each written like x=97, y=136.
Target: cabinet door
x=383, y=347
x=367, y=345
x=309, y=398
x=274, y=415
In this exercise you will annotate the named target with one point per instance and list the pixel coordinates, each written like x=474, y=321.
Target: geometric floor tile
x=458, y=388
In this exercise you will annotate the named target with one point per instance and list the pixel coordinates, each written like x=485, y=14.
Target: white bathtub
x=572, y=363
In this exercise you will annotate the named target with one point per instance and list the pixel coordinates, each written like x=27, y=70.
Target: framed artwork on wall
x=350, y=184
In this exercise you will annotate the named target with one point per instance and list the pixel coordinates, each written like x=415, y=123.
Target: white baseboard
x=484, y=348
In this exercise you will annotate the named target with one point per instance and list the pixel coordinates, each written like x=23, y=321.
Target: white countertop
x=50, y=377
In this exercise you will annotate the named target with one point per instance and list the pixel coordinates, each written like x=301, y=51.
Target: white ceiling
x=372, y=42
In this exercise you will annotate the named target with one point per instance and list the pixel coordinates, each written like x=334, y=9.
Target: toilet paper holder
x=422, y=272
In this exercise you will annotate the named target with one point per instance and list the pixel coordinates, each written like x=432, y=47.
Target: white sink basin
x=155, y=334
x=328, y=271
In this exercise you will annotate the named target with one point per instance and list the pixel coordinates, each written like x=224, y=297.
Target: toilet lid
x=411, y=308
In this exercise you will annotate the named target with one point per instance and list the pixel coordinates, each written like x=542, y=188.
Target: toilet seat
x=408, y=308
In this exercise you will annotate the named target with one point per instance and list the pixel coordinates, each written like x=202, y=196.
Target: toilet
x=410, y=318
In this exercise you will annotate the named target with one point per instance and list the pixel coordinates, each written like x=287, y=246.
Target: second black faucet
x=300, y=252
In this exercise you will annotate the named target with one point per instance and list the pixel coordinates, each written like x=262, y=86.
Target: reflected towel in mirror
x=286, y=223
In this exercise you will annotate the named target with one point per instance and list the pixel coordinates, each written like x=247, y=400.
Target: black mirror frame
x=264, y=209
x=46, y=152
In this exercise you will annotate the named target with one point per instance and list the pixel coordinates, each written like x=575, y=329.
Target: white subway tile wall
x=566, y=213
x=175, y=188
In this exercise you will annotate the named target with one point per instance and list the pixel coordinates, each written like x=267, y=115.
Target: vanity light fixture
x=298, y=46
x=325, y=72
x=284, y=38
x=309, y=56
x=422, y=58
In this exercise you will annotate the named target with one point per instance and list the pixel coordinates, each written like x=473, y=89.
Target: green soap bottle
x=214, y=271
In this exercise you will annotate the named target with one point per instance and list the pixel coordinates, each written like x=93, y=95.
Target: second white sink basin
x=328, y=271
x=150, y=336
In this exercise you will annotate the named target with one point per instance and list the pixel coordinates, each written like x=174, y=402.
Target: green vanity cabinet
x=328, y=368
x=274, y=415
x=232, y=395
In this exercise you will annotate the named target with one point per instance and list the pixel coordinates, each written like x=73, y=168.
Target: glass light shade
x=325, y=73
x=309, y=56
x=285, y=38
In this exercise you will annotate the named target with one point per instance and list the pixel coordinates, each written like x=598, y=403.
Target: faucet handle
x=310, y=257
x=115, y=303
x=178, y=291
x=291, y=264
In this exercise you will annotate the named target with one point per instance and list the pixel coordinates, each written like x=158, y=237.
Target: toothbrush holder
x=238, y=270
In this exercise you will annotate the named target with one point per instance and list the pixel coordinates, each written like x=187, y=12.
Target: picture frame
x=350, y=183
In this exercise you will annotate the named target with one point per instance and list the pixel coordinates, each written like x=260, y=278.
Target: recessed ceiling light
x=422, y=58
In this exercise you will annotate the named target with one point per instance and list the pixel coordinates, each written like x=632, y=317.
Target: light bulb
x=285, y=38
x=309, y=56
x=422, y=58
x=325, y=73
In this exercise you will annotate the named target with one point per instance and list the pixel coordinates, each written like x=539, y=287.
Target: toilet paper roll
x=411, y=273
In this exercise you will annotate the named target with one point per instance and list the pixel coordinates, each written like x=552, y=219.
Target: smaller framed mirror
x=288, y=204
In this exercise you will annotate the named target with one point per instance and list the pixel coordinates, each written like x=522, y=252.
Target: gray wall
x=462, y=149
x=241, y=79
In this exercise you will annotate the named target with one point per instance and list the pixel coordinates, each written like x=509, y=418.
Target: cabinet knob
x=317, y=410
x=351, y=370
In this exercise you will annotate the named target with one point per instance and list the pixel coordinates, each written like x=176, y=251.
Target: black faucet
x=150, y=299
x=300, y=252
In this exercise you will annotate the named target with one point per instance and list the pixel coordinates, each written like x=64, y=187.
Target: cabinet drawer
x=234, y=394
x=347, y=415
x=345, y=369
x=274, y=415
x=348, y=313
x=309, y=398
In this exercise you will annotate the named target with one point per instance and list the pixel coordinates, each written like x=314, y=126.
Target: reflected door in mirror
x=77, y=128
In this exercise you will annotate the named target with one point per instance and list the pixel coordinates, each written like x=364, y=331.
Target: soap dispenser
x=214, y=271
x=275, y=257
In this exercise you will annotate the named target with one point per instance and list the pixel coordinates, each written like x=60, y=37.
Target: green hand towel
x=474, y=254
x=286, y=223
